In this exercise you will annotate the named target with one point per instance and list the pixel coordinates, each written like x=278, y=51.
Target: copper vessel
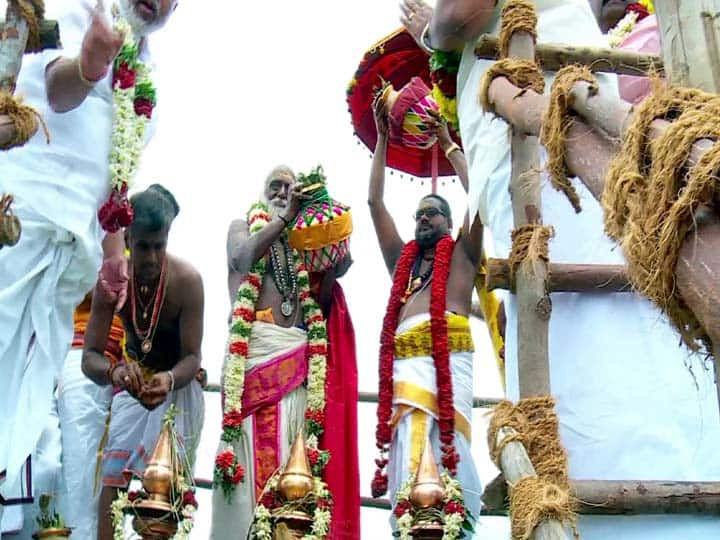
x=292, y=525
x=154, y=528
x=10, y=228
x=160, y=473
x=296, y=481
x=428, y=490
x=53, y=533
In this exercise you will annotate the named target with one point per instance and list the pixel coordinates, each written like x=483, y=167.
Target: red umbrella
x=396, y=59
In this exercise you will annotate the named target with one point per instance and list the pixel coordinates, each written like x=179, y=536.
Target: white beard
x=140, y=27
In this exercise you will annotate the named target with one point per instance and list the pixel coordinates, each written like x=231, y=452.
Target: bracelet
x=425, y=39
x=285, y=221
x=452, y=149
x=87, y=82
x=172, y=379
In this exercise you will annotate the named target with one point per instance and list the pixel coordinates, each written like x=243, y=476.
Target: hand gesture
x=100, y=45
x=128, y=377
x=295, y=198
x=343, y=265
x=415, y=15
x=113, y=280
x=441, y=130
x=156, y=390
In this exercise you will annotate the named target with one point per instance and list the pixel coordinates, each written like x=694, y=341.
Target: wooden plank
x=565, y=277
x=626, y=497
x=49, y=34
x=554, y=56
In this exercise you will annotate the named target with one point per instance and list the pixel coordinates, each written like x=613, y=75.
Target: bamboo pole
x=533, y=302
x=13, y=41
x=565, y=277
x=690, y=34
x=49, y=34
x=626, y=497
x=553, y=56
x=516, y=465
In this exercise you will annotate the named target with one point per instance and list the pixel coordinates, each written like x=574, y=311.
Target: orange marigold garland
x=441, y=358
x=243, y=316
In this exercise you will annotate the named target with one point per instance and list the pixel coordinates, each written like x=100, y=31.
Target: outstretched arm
x=388, y=237
x=470, y=236
x=68, y=81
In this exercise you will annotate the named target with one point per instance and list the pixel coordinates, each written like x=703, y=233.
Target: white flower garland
x=128, y=137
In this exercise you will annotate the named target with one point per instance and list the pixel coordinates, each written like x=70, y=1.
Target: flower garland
x=125, y=501
x=243, y=316
x=441, y=358
x=634, y=13
x=182, y=496
x=454, y=516
x=443, y=74
x=318, y=503
x=133, y=103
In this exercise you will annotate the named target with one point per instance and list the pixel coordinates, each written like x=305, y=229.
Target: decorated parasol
x=396, y=65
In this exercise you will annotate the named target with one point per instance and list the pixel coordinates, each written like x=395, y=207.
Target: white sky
x=244, y=86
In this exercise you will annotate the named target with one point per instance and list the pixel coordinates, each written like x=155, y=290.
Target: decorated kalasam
x=321, y=231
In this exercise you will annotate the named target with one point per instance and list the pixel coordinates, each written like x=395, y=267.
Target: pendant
x=286, y=308
x=145, y=314
x=416, y=283
x=146, y=346
x=144, y=289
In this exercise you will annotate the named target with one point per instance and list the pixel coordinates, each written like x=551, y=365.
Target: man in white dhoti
x=426, y=344
x=643, y=408
x=274, y=394
x=163, y=322
x=58, y=190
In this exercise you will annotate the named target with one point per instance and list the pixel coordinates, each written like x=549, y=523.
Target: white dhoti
x=84, y=409
x=416, y=408
x=276, y=363
x=134, y=431
x=42, y=279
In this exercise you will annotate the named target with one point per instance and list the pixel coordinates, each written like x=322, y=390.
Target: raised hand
x=441, y=130
x=381, y=121
x=113, y=280
x=295, y=198
x=100, y=45
x=415, y=15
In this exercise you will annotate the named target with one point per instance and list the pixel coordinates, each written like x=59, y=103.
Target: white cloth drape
x=632, y=403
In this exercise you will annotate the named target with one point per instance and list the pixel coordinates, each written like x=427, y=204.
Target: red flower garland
x=441, y=357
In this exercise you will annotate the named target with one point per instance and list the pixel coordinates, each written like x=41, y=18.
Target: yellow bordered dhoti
x=415, y=402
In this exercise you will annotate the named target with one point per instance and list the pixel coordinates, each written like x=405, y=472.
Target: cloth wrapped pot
x=321, y=231
x=409, y=115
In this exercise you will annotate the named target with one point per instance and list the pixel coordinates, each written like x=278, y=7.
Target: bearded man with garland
x=278, y=334
x=426, y=346
x=163, y=322
x=58, y=190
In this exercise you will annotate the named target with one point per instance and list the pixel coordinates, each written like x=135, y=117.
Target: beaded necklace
x=146, y=336
x=285, y=278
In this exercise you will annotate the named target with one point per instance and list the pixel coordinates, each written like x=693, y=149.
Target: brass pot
x=293, y=486
x=152, y=528
x=427, y=495
x=53, y=533
x=427, y=531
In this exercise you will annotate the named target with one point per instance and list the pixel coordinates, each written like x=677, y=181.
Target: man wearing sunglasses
x=426, y=347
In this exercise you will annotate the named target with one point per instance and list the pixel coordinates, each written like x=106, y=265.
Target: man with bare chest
x=267, y=375
x=163, y=320
x=426, y=345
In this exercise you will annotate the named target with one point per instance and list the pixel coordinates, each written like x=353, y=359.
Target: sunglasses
x=429, y=213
